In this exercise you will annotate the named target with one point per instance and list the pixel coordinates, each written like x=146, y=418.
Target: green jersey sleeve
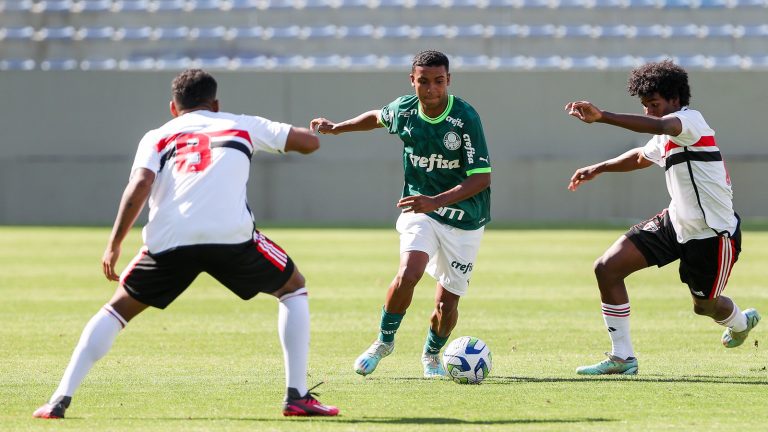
x=388, y=116
x=475, y=155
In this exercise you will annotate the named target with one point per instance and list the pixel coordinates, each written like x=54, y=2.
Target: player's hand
x=418, y=204
x=582, y=175
x=323, y=126
x=108, y=262
x=584, y=111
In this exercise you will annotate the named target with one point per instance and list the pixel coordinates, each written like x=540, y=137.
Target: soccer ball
x=467, y=360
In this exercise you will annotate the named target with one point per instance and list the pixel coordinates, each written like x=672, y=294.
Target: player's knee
x=408, y=278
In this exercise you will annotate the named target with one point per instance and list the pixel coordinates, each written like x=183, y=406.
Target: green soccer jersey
x=440, y=153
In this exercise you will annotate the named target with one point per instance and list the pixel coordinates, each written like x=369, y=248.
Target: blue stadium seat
x=170, y=33
x=757, y=62
x=17, y=33
x=243, y=5
x=16, y=6
x=94, y=33
x=216, y=33
x=290, y=32
x=17, y=64
x=471, y=62
x=206, y=5
x=219, y=62
x=320, y=32
x=506, y=31
x=52, y=6
x=589, y=62
x=361, y=31
x=168, y=6
x=756, y=30
x=133, y=33
x=647, y=31
x=623, y=62
x=729, y=62
x=395, y=62
x=250, y=62
x=362, y=62
x=713, y=4
x=131, y=6
x=513, y=63
x=99, y=64
x=687, y=30
x=393, y=32
x=613, y=31
x=137, y=64
x=545, y=30
x=55, y=33
x=723, y=30
x=325, y=62
x=433, y=31
x=577, y=31
x=173, y=63
x=59, y=64
x=255, y=32
x=469, y=31
x=92, y=6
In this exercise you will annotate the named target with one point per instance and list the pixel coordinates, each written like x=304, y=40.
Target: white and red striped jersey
x=202, y=161
x=697, y=180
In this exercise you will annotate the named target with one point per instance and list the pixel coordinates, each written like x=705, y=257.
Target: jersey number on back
x=193, y=152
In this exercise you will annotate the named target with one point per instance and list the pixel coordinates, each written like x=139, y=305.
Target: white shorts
x=452, y=251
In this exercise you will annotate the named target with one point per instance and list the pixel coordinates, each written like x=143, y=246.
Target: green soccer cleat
x=732, y=339
x=433, y=367
x=611, y=366
x=367, y=362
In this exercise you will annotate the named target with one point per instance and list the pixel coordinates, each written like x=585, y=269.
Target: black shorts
x=705, y=264
x=245, y=268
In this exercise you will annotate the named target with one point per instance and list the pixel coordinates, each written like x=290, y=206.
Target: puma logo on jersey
x=483, y=159
x=408, y=130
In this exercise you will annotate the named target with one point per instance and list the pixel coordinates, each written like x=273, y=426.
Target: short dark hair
x=665, y=78
x=430, y=58
x=193, y=88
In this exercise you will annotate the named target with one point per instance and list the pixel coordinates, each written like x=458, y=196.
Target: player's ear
x=413, y=82
x=174, y=111
x=215, y=106
x=448, y=79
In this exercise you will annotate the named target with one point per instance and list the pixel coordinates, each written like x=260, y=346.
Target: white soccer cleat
x=367, y=362
x=433, y=367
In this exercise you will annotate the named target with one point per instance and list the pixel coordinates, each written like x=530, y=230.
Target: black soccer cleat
x=53, y=410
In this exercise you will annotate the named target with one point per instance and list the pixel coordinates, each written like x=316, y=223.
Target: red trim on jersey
x=705, y=141
x=163, y=143
x=230, y=133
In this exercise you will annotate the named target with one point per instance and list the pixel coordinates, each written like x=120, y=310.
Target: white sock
x=293, y=327
x=737, y=321
x=616, y=319
x=95, y=341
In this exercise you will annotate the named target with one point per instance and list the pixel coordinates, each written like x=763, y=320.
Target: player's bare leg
x=619, y=261
x=443, y=321
x=95, y=341
x=399, y=296
x=293, y=328
x=727, y=313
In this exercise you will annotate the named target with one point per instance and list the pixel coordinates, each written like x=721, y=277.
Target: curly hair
x=430, y=58
x=665, y=78
x=193, y=88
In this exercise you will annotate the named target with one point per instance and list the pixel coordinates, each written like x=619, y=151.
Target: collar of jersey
x=439, y=118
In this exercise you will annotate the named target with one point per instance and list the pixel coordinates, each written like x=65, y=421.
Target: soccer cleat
x=433, y=367
x=367, y=362
x=53, y=410
x=732, y=339
x=298, y=405
x=611, y=366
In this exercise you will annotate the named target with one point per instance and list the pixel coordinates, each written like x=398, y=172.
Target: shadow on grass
x=384, y=420
x=644, y=378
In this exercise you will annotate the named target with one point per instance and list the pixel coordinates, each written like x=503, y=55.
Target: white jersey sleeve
x=267, y=135
x=694, y=127
x=147, y=155
x=654, y=150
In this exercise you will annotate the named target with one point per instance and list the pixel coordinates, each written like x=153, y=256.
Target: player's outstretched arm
x=629, y=161
x=301, y=140
x=364, y=122
x=589, y=113
x=470, y=187
x=133, y=200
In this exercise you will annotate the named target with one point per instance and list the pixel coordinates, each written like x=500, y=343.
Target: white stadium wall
x=69, y=139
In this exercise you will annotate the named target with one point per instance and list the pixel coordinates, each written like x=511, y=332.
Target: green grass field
x=213, y=362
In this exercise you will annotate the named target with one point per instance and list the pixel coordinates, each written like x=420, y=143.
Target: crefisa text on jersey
x=470, y=150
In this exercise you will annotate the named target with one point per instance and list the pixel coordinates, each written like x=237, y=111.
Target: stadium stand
x=341, y=34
